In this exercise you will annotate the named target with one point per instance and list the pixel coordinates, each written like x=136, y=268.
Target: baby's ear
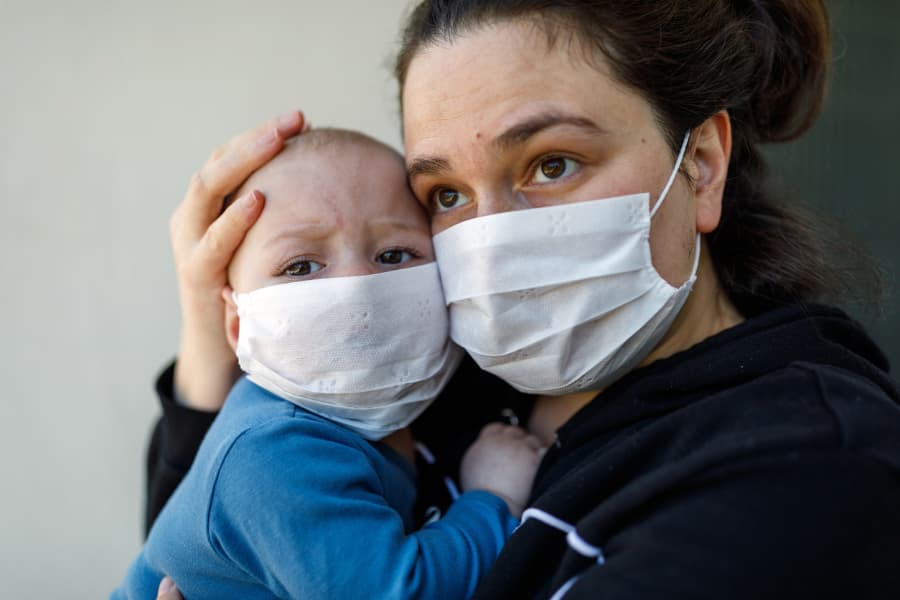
x=232, y=321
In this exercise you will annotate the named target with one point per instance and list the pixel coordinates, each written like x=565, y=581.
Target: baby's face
x=336, y=211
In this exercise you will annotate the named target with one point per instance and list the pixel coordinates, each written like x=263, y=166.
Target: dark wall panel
x=848, y=166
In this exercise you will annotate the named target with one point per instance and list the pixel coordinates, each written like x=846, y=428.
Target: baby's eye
x=395, y=256
x=301, y=268
x=444, y=199
x=554, y=168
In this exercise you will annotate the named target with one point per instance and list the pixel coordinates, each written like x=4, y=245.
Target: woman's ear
x=709, y=157
x=232, y=321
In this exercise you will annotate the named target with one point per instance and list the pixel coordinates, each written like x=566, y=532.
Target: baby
x=338, y=320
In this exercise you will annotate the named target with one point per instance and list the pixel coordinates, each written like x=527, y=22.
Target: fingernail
x=165, y=586
x=249, y=202
x=268, y=138
x=289, y=120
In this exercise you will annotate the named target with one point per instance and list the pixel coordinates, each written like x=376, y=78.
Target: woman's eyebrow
x=521, y=132
x=513, y=136
x=427, y=165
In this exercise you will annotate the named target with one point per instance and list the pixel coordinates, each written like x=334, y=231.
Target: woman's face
x=499, y=120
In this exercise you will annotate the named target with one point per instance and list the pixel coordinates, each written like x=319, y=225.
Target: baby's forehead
x=328, y=150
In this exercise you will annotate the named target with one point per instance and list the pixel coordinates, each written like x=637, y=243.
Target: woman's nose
x=495, y=202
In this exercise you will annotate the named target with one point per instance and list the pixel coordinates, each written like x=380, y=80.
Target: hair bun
x=793, y=48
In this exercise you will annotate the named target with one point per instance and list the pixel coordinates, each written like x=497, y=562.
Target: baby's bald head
x=325, y=141
x=336, y=198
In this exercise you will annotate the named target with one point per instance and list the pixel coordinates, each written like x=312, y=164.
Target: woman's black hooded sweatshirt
x=762, y=463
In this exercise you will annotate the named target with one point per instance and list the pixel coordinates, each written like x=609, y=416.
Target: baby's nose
x=357, y=267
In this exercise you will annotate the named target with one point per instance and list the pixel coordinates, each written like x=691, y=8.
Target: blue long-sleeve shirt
x=283, y=503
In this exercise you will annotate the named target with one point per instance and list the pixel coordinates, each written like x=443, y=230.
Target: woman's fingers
x=222, y=238
x=287, y=125
x=231, y=164
x=204, y=240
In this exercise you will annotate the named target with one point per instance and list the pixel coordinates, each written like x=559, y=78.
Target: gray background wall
x=106, y=107
x=105, y=110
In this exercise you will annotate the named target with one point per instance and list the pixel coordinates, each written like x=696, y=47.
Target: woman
x=713, y=435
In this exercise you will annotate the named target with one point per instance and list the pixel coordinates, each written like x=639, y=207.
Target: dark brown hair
x=765, y=61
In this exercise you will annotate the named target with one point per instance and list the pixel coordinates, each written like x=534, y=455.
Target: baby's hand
x=503, y=461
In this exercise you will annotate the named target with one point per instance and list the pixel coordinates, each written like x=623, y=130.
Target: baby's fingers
x=498, y=430
x=168, y=591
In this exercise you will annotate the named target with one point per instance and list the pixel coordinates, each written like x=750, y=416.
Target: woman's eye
x=444, y=199
x=394, y=257
x=302, y=268
x=554, y=168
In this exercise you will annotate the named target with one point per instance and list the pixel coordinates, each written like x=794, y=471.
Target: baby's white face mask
x=369, y=352
x=563, y=298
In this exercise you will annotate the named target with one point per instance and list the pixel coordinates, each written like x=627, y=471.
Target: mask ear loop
x=665, y=192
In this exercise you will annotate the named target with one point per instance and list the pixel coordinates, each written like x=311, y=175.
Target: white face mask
x=563, y=298
x=369, y=352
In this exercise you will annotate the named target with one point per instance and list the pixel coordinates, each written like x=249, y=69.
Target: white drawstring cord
x=574, y=541
x=547, y=519
x=562, y=591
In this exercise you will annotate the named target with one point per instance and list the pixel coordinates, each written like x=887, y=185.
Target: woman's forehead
x=492, y=80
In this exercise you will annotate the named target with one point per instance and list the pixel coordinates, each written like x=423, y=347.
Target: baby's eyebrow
x=395, y=223
x=308, y=231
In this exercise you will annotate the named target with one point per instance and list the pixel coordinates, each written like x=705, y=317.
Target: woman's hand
x=203, y=241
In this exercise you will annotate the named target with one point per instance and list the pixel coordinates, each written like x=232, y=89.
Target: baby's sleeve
x=299, y=506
